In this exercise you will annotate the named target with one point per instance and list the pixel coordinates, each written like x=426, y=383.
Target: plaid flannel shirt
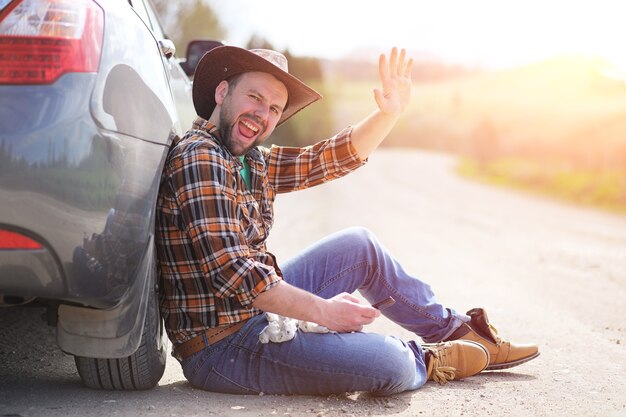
x=211, y=230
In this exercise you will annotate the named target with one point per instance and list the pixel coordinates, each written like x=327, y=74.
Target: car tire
x=140, y=371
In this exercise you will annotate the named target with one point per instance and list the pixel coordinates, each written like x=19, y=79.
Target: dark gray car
x=91, y=95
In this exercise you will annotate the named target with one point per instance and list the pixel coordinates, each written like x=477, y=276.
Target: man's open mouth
x=248, y=129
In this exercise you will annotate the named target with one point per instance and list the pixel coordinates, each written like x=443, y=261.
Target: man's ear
x=220, y=92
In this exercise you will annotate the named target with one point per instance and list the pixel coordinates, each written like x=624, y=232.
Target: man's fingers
x=401, y=63
x=364, y=310
x=382, y=67
x=397, y=66
x=349, y=297
x=378, y=97
x=369, y=312
x=409, y=68
x=393, y=61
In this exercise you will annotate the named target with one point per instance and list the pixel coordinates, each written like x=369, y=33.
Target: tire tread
x=140, y=371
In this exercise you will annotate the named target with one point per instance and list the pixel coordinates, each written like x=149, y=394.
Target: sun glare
x=481, y=32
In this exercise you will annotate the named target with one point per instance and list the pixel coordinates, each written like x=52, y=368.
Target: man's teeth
x=249, y=126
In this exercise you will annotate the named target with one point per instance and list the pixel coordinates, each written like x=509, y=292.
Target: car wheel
x=141, y=370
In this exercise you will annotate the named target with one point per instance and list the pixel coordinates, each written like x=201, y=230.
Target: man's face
x=249, y=110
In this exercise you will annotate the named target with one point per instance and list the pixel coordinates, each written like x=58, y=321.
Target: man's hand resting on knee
x=342, y=313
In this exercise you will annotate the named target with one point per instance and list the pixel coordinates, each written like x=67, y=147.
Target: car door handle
x=168, y=49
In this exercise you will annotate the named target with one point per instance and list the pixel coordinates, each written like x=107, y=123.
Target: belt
x=212, y=335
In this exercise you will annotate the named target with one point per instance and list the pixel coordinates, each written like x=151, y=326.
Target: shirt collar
x=201, y=124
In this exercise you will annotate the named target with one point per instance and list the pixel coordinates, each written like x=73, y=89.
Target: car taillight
x=13, y=240
x=40, y=40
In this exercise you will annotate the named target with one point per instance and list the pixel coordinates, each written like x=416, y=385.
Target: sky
x=486, y=33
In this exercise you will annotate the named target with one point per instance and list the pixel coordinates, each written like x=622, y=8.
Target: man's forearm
x=290, y=301
x=342, y=313
x=371, y=131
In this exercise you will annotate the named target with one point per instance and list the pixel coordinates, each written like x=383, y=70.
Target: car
x=91, y=96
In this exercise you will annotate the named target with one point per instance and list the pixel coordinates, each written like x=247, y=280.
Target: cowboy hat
x=223, y=62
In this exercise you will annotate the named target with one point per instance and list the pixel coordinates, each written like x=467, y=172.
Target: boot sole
x=507, y=365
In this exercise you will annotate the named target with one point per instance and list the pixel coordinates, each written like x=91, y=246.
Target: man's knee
x=399, y=368
x=362, y=237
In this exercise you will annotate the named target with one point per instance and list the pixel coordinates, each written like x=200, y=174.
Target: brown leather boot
x=446, y=361
x=503, y=354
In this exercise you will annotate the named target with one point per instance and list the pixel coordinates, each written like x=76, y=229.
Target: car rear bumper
x=31, y=273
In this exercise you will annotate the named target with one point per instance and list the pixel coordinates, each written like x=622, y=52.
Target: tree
x=186, y=20
x=258, y=42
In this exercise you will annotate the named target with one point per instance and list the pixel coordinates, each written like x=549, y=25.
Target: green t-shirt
x=245, y=171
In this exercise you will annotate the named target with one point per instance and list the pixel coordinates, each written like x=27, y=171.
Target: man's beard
x=227, y=124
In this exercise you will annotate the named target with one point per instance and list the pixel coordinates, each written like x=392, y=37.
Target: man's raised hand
x=395, y=77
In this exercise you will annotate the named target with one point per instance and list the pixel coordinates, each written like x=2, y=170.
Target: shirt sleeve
x=291, y=168
x=202, y=182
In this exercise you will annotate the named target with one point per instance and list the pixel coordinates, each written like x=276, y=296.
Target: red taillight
x=40, y=40
x=13, y=240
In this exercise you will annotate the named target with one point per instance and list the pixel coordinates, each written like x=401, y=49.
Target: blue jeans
x=329, y=363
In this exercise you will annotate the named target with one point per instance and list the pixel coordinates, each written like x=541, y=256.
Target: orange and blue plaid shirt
x=211, y=229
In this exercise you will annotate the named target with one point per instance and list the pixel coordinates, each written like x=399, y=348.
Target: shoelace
x=495, y=333
x=438, y=370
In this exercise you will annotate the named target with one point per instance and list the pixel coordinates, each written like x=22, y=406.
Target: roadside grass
x=600, y=189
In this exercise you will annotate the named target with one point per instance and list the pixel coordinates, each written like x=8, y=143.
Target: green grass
x=599, y=189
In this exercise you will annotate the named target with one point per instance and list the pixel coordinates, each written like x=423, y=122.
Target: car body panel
x=80, y=164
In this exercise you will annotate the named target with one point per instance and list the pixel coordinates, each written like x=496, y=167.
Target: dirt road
x=546, y=272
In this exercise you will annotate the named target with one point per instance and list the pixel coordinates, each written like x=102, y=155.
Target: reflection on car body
x=91, y=96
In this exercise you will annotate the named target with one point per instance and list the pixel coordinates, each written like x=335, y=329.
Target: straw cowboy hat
x=225, y=61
